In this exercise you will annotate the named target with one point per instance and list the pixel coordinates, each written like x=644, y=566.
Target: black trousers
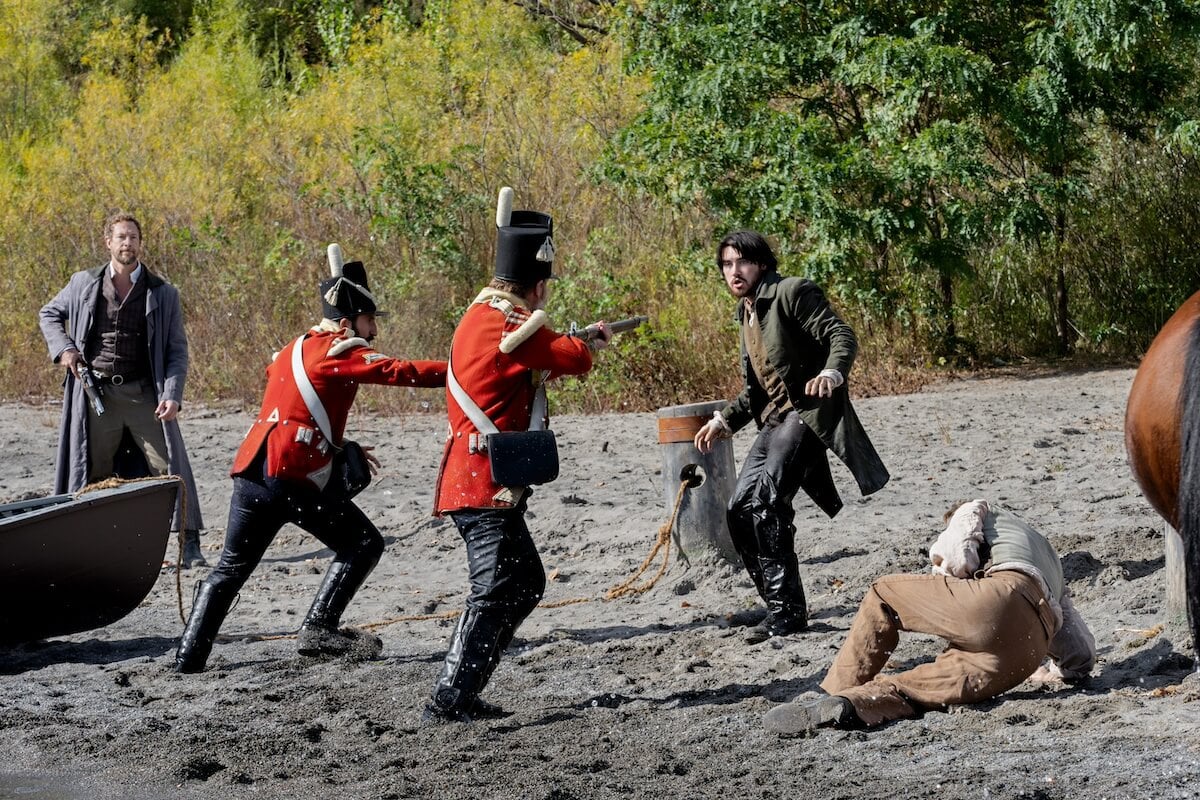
x=504, y=568
x=760, y=511
x=507, y=581
x=261, y=505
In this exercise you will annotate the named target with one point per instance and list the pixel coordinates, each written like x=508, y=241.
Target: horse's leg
x=1189, y=481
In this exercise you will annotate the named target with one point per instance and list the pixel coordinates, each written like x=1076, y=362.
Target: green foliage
x=34, y=94
x=884, y=142
x=936, y=167
x=408, y=199
x=689, y=348
x=241, y=180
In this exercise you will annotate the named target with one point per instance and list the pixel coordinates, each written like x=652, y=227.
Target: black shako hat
x=524, y=243
x=345, y=293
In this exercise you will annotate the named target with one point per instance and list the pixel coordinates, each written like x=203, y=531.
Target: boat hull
x=70, y=564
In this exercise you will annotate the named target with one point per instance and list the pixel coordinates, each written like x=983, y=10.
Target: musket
x=90, y=386
x=620, y=326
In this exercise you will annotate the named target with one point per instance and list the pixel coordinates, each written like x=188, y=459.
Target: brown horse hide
x=1162, y=437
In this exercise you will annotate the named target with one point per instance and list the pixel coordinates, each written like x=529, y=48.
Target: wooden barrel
x=700, y=527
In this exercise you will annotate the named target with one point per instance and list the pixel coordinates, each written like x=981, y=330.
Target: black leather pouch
x=523, y=458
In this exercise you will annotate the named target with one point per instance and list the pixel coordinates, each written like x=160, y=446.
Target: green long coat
x=803, y=335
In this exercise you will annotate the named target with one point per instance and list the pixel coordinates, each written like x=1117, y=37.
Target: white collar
x=137, y=272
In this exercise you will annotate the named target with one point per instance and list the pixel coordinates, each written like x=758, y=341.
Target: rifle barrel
x=620, y=326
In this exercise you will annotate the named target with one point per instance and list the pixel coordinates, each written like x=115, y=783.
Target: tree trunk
x=1066, y=338
x=949, y=331
x=1061, y=305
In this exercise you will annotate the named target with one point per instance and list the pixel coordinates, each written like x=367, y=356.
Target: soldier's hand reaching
x=372, y=461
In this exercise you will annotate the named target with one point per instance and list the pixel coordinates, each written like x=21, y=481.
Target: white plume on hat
x=333, y=286
x=334, y=252
x=504, y=205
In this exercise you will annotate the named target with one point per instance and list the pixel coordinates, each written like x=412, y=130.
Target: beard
x=741, y=290
x=126, y=258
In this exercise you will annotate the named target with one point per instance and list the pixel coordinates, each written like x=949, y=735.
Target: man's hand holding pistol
x=73, y=361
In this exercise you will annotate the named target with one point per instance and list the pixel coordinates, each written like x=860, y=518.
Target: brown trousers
x=998, y=630
x=130, y=405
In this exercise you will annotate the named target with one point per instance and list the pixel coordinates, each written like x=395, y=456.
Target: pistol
x=620, y=326
x=90, y=387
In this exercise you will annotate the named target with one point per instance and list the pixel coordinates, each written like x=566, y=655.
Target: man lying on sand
x=999, y=622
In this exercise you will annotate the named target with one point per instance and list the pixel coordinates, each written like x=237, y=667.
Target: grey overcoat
x=66, y=322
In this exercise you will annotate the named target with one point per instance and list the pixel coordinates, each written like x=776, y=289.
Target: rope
x=114, y=482
x=623, y=589
x=369, y=626
x=627, y=587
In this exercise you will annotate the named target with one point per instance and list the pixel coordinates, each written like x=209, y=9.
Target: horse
x=1162, y=438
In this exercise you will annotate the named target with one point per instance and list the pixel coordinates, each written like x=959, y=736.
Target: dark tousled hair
x=752, y=245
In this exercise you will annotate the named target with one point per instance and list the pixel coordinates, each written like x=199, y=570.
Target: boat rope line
x=625, y=588
x=661, y=544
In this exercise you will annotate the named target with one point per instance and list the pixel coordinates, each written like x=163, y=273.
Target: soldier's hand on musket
x=603, y=335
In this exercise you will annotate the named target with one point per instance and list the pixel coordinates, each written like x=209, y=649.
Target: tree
x=887, y=142
x=1121, y=64
x=34, y=94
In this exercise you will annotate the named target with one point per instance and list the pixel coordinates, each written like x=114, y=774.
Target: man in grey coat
x=122, y=325
x=796, y=357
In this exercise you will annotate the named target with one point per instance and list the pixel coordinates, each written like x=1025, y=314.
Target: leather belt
x=115, y=379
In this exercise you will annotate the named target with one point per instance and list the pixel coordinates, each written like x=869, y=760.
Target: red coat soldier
x=502, y=355
x=282, y=470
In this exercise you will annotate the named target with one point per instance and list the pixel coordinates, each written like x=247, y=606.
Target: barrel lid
x=704, y=409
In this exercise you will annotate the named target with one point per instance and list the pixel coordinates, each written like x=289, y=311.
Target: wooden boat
x=70, y=563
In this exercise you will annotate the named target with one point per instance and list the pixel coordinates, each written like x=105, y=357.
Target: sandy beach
x=650, y=695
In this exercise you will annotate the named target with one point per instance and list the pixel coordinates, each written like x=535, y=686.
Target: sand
x=650, y=695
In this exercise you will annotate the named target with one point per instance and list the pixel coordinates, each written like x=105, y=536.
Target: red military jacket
x=500, y=349
x=336, y=365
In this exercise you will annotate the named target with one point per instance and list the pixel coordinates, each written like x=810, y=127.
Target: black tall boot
x=471, y=658
x=741, y=530
x=482, y=709
x=786, y=605
x=209, y=608
x=319, y=634
x=785, y=594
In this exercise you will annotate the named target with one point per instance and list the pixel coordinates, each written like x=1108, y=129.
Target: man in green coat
x=796, y=355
